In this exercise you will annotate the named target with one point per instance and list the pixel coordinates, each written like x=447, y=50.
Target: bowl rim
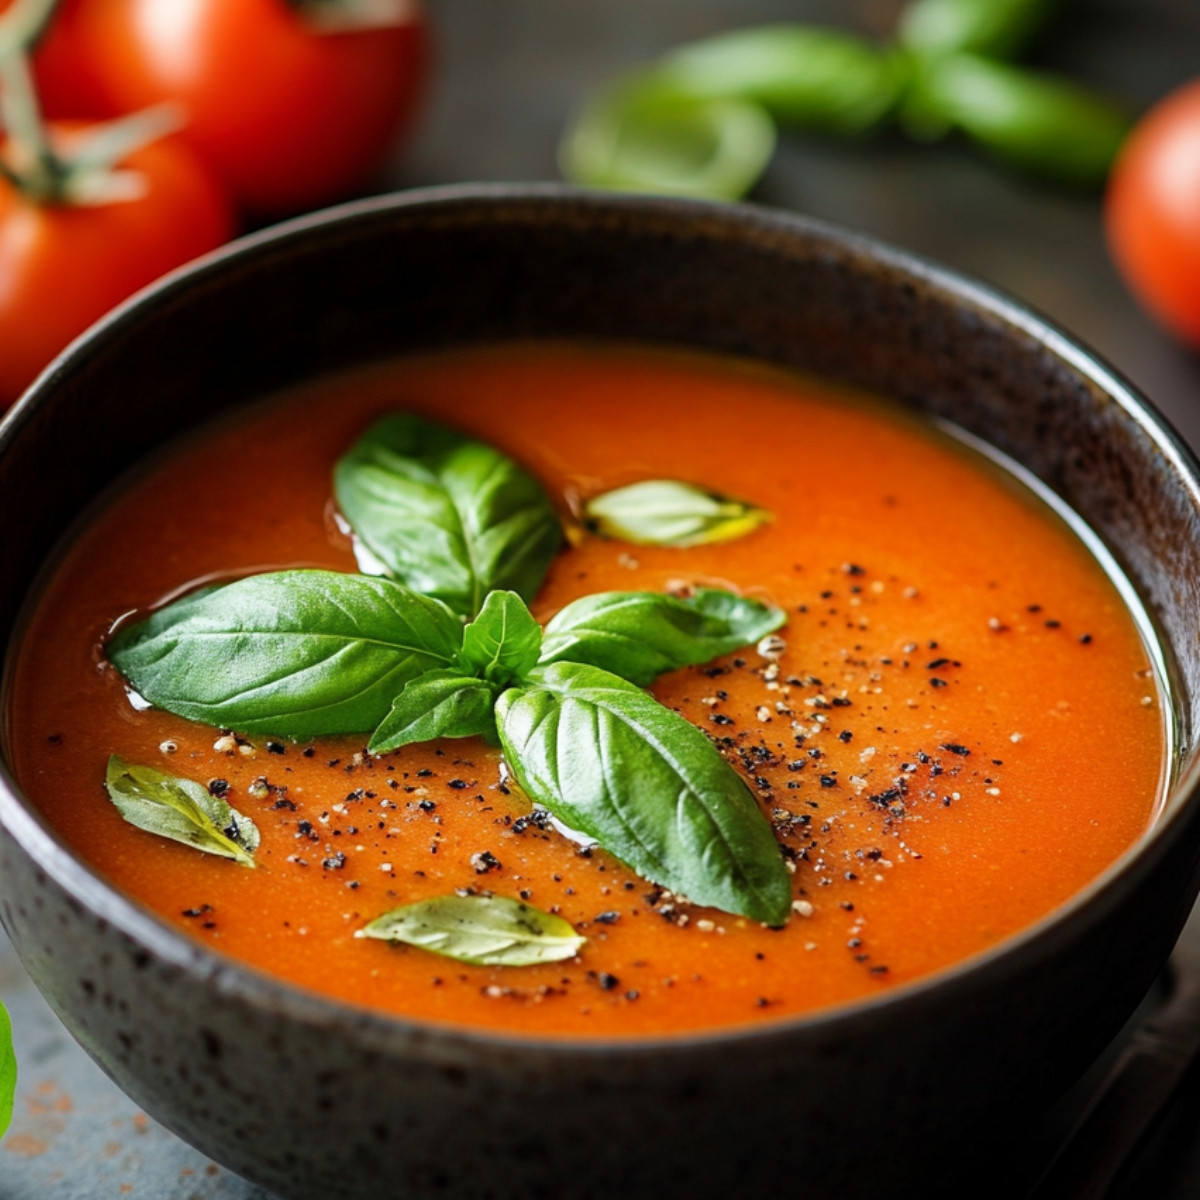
x=246, y=984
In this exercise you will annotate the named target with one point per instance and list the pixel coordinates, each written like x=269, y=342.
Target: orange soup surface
x=963, y=729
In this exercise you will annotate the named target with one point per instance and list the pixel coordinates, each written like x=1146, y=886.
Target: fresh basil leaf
x=180, y=809
x=995, y=28
x=803, y=75
x=490, y=931
x=613, y=763
x=665, y=512
x=640, y=635
x=437, y=704
x=8, y=1071
x=1039, y=123
x=646, y=133
x=294, y=653
x=447, y=516
x=503, y=642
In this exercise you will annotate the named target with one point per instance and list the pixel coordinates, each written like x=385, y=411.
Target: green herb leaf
x=647, y=134
x=639, y=635
x=438, y=704
x=995, y=28
x=613, y=763
x=1038, y=123
x=8, y=1071
x=294, y=653
x=665, y=512
x=503, y=642
x=814, y=78
x=447, y=516
x=490, y=931
x=180, y=809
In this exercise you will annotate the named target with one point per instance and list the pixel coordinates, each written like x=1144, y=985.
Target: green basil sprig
x=8, y=1071
x=295, y=653
x=647, y=784
x=489, y=931
x=447, y=516
x=666, y=512
x=995, y=28
x=180, y=809
x=657, y=130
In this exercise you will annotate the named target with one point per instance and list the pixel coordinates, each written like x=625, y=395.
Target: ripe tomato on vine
x=291, y=102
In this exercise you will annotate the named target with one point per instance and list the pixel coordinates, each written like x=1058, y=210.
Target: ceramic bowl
x=316, y=1100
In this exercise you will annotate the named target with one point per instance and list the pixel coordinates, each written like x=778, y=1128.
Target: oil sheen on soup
x=957, y=728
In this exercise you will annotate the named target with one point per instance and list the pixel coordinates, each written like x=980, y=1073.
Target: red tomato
x=289, y=116
x=1152, y=212
x=63, y=266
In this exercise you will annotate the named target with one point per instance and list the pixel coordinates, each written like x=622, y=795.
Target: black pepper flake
x=424, y=773
x=938, y=683
x=1085, y=639
x=607, y=918
x=218, y=787
x=1053, y=624
x=458, y=784
x=284, y=802
x=955, y=748
x=632, y=994
x=426, y=805
x=720, y=719
x=335, y=862
x=306, y=830
x=828, y=781
x=937, y=664
x=197, y=912
x=308, y=751
x=845, y=736
x=607, y=982
x=276, y=748
x=54, y=739
x=484, y=861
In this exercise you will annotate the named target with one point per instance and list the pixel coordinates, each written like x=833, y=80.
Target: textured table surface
x=508, y=74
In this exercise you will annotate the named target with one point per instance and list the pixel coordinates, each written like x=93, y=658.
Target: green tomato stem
x=37, y=170
x=25, y=23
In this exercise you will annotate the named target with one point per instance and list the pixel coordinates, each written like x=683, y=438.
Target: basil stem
x=294, y=653
x=641, y=635
x=995, y=28
x=8, y=1071
x=666, y=512
x=1038, y=123
x=489, y=931
x=445, y=515
x=646, y=134
x=805, y=76
x=437, y=704
x=649, y=786
x=180, y=809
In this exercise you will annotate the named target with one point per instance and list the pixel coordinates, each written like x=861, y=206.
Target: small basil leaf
x=640, y=635
x=437, y=704
x=814, y=78
x=294, y=653
x=490, y=931
x=647, y=134
x=1038, y=123
x=665, y=512
x=503, y=642
x=180, y=809
x=8, y=1071
x=613, y=763
x=447, y=516
x=995, y=28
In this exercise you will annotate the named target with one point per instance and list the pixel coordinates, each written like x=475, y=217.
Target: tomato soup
x=959, y=726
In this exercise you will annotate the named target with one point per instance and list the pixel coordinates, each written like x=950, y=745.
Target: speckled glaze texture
x=317, y=1101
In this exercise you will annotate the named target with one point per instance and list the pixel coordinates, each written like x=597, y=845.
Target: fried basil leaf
x=180, y=809
x=640, y=635
x=665, y=512
x=438, y=704
x=447, y=516
x=616, y=765
x=490, y=931
x=294, y=653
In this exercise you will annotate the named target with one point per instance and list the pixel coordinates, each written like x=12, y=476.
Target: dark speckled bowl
x=317, y=1100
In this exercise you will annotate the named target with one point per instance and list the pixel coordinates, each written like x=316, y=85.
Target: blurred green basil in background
x=701, y=121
